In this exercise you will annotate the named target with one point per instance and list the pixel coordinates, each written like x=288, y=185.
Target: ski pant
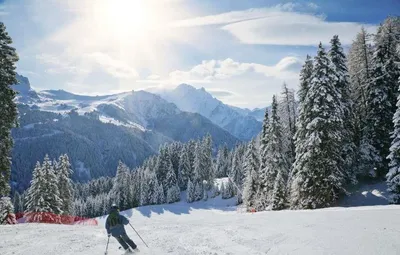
x=124, y=240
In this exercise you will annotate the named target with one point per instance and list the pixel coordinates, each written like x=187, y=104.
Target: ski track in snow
x=176, y=229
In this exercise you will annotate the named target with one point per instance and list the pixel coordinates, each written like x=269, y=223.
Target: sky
x=240, y=51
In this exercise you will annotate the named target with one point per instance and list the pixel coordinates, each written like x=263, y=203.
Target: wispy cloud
x=115, y=67
x=289, y=24
x=224, y=69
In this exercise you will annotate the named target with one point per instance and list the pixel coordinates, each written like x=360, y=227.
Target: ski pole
x=138, y=235
x=107, y=245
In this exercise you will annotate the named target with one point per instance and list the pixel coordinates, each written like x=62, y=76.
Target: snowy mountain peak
x=190, y=99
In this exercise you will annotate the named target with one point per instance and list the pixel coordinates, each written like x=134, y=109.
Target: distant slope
x=235, y=121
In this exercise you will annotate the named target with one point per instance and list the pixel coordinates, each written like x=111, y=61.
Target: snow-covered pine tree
x=149, y=188
x=162, y=167
x=287, y=114
x=197, y=164
x=160, y=194
x=208, y=173
x=185, y=169
x=64, y=173
x=18, y=202
x=198, y=191
x=379, y=116
x=7, y=215
x=276, y=160
x=121, y=188
x=318, y=174
x=52, y=193
x=222, y=190
x=190, y=195
x=173, y=191
x=228, y=191
x=263, y=140
x=205, y=193
x=174, y=152
x=36, y=202
x=220, y=166
x=359, y=63
x=191, y=148
x=250, y=167
x=8, y=108
x=393, y=176
x=305, y=78
x=279, y=195
x=237, y=174
x=305, y=83
x=338, y=60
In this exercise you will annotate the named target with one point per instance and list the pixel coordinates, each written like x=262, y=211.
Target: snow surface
x=215, y=227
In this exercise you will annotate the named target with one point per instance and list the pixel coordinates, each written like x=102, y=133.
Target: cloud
x=240, y=83
x=58, y=64
x=289, y=24
x=210, y=70
x=313, y=6
x=115, y=67
x=153, y=77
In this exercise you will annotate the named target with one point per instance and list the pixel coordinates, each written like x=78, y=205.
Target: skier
x=115, y=226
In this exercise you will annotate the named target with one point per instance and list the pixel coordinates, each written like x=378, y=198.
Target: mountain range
x=98, y=131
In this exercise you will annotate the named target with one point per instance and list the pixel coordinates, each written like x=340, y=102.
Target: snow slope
x=215, y=228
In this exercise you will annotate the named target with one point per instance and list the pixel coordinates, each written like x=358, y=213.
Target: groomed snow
x=214, y=227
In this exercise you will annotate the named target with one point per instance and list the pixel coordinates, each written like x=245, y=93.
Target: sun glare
x=130, y=18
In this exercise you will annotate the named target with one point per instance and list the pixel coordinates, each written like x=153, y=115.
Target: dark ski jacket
x=115, y=223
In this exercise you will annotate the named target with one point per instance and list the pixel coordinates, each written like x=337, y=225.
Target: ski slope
x=215, y=228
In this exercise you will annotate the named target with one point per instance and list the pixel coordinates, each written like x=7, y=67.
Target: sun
x=129, y=18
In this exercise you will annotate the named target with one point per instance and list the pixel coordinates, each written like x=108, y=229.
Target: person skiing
x=115, y=226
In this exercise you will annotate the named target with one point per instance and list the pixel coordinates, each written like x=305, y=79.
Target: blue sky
x=245, y=49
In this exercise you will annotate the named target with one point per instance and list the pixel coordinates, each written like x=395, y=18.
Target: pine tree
x=288, y=115
x=338, y=59
x=359, y=63
x=228, y=191
x=305, y=78
x=190, y=195
x=305, y=83
x=198, y=191
x=185, y=169
x=8, y=108
x=173, y=191
x=207, y=161
x=64, y=172
x=160, y=194
x=251, y=184
x=121, y=188
x=319, y=176
x=276, y=159
x=393, y=176
x=36, y=203
x=279, y=195
x=18, y=202
x=379, y=115
x=263, y=140
x=163, y=164
x=221, y=164
x=237, y=174
x=52, y=194
x=7, y=215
